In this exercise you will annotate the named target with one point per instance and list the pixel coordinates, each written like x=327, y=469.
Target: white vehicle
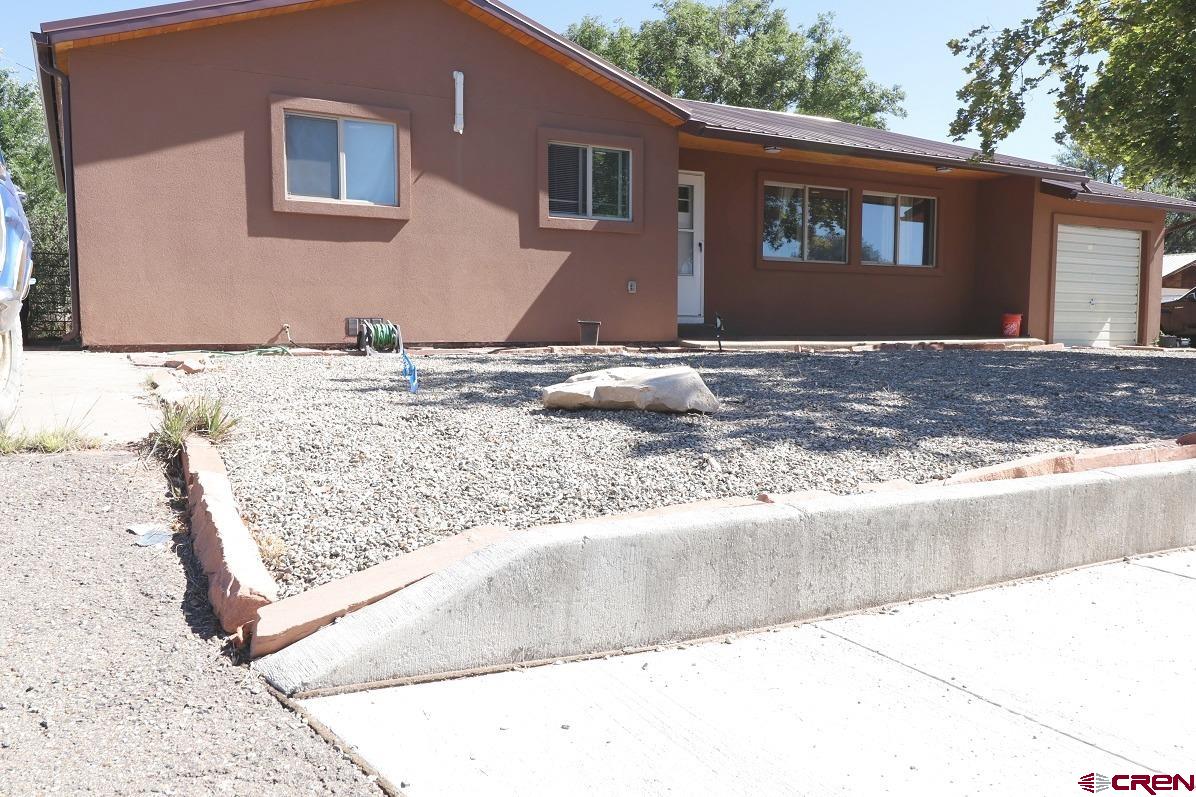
x=16, y=266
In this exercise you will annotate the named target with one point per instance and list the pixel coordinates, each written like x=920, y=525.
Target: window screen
x=313, y=167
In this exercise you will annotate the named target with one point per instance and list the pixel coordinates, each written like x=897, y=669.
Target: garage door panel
x=1106, y=282
x=1099, y=247
x=1105, y=263
x=1084, y=235
x=1097, y=276
x=1114, y=262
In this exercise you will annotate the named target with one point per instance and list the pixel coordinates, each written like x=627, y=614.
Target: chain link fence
x=46, y=315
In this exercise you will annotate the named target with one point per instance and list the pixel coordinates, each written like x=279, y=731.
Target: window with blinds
x=567, y=192
x=589, y=182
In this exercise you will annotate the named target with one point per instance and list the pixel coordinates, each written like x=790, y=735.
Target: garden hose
x=261, y=351
x=383, y=336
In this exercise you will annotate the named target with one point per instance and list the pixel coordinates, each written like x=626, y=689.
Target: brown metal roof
x=1109, y=194
x=793, y=131
x=830, y=135
x=170, y=16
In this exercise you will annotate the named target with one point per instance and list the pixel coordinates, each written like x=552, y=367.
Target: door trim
x=699, y=181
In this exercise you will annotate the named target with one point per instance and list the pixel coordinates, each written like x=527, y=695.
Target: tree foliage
x=1122, y=72
x=1181, y=236
x=26, y=149
x=1075, y=157
x=745, y=52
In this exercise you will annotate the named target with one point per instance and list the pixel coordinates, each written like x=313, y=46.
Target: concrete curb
x=689, y=573
x=287, y=621
x=238, y=582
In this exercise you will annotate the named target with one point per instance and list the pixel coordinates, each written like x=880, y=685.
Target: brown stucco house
x=234, y=166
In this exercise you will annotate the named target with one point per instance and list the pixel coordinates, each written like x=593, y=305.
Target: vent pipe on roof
x=458, y=102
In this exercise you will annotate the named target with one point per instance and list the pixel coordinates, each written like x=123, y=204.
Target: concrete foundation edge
x=690, y=573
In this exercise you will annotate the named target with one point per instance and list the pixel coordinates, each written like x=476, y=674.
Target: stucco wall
x=1004, y=239
x=850, y=299
x=1049, y=212
x=179, y=243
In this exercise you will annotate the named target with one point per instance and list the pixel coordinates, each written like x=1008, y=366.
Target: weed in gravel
x=272, y=548
x=203, y=416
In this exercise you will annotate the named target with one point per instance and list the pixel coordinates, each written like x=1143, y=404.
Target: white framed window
x=804, y=223
x=898, y=229
x=589, y=182
x=341, y=158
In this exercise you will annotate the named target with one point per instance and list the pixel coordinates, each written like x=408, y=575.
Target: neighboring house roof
x=831, y=135
x=1109, y=194
x=1178, y=262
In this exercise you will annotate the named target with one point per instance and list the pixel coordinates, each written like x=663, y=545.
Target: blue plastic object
x=16, y=251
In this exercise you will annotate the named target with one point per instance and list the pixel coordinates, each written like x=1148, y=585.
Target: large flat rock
x=677, y=388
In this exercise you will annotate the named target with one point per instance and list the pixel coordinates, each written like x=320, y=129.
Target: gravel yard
x=344, y=468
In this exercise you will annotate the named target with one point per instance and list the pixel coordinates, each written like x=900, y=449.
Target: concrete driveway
x=102, y=393
x=1021, y=689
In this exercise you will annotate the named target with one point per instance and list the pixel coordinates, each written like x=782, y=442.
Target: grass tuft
x=66, y=436
x=201, y=416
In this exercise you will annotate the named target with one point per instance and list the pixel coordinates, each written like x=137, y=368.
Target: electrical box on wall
x=631, y=286
x=353, y=325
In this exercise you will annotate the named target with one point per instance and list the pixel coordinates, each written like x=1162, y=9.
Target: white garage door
x=1096, y=286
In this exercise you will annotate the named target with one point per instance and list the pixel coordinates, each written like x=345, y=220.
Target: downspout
x=62, y=87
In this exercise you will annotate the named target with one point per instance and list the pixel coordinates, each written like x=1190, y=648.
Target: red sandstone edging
x=286, y=621
x=1082, y=460
x=238, y=582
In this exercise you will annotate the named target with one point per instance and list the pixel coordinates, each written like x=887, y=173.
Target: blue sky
x=898, y=47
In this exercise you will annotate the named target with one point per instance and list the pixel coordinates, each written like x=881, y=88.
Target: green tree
x=1181, y=228
x=1075, y=157
x=745, y=52
x=26, y=149
x=1122, y=72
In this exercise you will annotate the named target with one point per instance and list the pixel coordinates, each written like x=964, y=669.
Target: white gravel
x=339, y=462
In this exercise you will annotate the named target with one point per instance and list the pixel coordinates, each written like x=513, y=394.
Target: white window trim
x=805, y=224
x=341, y=161
x=897, y=231
x=589, y=214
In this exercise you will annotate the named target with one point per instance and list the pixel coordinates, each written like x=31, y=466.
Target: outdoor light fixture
x=772, y=150
x=943, y=169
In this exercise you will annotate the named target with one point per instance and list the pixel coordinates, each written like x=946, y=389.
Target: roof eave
x=1103, y=199
x=705, y=131
x=44, y=54
x=77, y=28
x=563, y=46
x=68, y=31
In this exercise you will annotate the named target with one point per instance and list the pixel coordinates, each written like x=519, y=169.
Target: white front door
x=691, y=230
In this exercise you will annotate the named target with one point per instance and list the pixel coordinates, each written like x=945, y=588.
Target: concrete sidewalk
x=1019, y=689
x=103, y=393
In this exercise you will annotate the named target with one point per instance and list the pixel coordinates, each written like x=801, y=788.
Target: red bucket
x=1011, y=325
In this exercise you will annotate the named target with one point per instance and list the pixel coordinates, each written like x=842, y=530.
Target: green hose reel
x=383, y=336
